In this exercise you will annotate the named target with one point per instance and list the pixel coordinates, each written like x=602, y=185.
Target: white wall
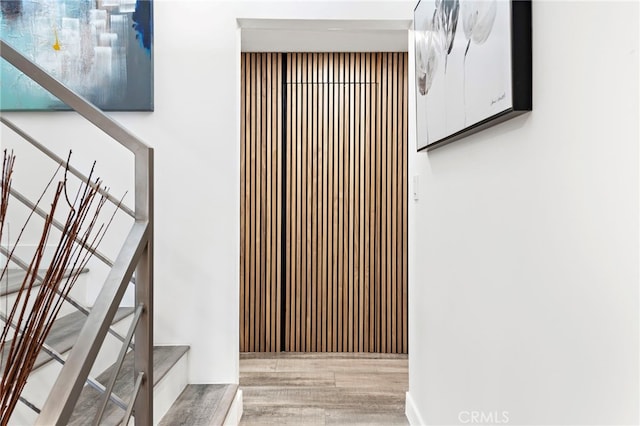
x=195, y=133
x=524, y=242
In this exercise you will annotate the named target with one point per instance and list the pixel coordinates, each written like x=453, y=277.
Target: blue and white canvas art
x=463, y=66
x=101, y=49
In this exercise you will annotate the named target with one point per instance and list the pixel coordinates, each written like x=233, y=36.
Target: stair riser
x=97, y=275
x=169, y=388
x=22, y=416
x=235, y=411
x=36, y=391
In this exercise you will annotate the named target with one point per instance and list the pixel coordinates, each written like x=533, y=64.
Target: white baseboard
x=412, y=413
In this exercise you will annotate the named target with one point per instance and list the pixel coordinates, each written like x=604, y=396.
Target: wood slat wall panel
x=324, y=182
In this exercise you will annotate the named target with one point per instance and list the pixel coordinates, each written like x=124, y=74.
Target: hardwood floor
x=323, y=388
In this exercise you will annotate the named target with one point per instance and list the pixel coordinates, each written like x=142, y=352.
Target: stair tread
x=201, y=405
x=12, y=281
x=164, y=358
x=64, y=333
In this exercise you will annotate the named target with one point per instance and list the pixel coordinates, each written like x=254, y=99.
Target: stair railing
x=136, y=254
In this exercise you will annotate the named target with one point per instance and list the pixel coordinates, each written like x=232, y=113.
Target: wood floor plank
x=294, y=416
x=368, y=380
x=343, y=365
x=364, y=417
x=257, y=365
x=294, y=379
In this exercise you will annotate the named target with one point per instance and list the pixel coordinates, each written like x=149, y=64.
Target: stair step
x=201, y=405
x=64, y=333
x=12, y=281
x=164, y=358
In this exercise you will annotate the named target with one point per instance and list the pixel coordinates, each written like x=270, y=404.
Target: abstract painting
x=473, y=66
x=101, y=49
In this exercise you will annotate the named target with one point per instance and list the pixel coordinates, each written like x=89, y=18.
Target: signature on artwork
x=498, y=99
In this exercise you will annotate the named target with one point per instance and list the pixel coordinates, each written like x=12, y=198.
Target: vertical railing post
x=143, y=357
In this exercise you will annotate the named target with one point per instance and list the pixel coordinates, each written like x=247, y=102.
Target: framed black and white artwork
x=473, y=66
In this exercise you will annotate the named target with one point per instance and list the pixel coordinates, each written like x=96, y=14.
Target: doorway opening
x=323, y=263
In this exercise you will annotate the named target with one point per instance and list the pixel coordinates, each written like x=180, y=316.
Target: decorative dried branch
x=7, y=172
x=31, y=325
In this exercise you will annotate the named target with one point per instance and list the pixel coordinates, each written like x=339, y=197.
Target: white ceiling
x=281, y=35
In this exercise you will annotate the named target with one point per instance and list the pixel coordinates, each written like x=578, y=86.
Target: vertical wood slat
x=289, y=216
x=373, y=91
x=378, y=202
x=343, y=159
x=252, y=182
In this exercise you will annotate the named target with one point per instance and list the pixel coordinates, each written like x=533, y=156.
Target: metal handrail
x=136, y=253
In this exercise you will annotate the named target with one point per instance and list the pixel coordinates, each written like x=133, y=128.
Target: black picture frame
x=442, y=21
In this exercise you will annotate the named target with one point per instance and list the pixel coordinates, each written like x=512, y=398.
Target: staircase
x=75, y=380
x=56, y=401
x=175, y=401
x=169, y=367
